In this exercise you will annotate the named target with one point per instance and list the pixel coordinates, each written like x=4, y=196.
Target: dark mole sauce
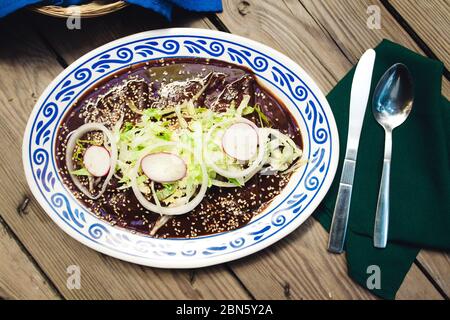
x=222, y=209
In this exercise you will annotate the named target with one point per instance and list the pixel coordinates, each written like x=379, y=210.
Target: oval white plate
x=277, y=72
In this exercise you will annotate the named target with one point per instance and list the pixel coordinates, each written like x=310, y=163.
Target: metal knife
x=359, y=97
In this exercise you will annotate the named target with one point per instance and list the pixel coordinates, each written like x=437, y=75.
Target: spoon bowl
x=393, y=97
x=392, y=102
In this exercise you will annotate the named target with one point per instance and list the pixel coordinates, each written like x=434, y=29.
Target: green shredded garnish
x=167, y=191
x=262, y=117
x=165, y=135
x=153, y=113
x=81, y=172
x=91, y=142
x=127, y=126
x=248, y=110
x=78, y=152
x=235, y=182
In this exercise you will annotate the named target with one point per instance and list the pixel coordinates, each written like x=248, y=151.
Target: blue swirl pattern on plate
x=150, y=48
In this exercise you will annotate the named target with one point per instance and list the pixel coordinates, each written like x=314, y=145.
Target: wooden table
x=325, y=37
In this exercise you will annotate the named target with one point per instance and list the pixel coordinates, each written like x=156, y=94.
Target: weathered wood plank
x=346, y=25
x=437, y=264
x=72, y=44
x=435, y=29
x=19, y=277
x=298, y=267
x=416, y=286
x=293, y=269
x=30, y=67
x=326, y=38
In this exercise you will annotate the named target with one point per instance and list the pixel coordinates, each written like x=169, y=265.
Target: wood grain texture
x=30, y=67
x=19, y=277
x=435, y=29
x=326, y=38
x=346, y=24
x=298, y=267
x=72, y=44
x=437, y=264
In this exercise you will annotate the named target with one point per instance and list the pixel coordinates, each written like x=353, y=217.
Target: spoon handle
x=382, y=215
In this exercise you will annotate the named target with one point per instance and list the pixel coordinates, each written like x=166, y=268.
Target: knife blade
x=359, y=97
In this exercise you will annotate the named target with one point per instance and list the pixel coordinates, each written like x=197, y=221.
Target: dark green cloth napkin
x=420, y=174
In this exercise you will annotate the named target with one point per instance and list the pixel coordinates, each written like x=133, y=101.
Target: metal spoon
x=392, y=103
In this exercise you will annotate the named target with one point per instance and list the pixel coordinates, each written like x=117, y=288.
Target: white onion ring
x=285, y=140
x=74, y=136
x=249, y=170
x=169, y=211
x=224, y=184
x=264, y=131
x=162, y=220
x=155, y=196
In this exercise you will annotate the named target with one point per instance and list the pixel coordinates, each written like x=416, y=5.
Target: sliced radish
x=97, y=161
x=163, y=167
x=181, y=209
x=71, y=143
x=240, y=141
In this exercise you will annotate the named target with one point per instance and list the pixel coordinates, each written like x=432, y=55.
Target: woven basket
x=88, y=10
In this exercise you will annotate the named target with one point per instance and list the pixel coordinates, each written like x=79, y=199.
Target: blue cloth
x=163, y=7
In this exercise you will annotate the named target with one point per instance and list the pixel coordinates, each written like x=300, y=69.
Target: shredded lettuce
x=153, y=113
x=248, y=110
x=188, y=125
x=262, y=117
x=78, y=153
x=236, y=182
x=81, y=172
x=167, y=190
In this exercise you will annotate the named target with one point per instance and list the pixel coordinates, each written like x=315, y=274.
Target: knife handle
x=342, y=208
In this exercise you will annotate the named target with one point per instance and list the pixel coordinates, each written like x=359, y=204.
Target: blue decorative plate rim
x=286, y=79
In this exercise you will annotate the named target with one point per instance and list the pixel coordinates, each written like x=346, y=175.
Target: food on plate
x=180, y=147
